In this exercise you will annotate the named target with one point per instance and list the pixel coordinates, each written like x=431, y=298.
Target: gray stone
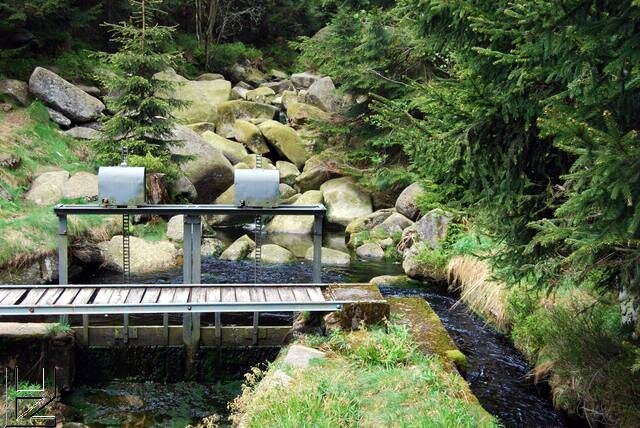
x=299, y=356
x=17, y=89
x=322, y=94
x=317, y=170
x=274, y=254
x=304, y=80
x=250, y=135
x=330, y=256
x=280, y=86
x=91, y=90
x=211, y=247
x=240, y=249
x=285, y=140
x=58, y=117
x=210, y=76
x=239, y=93
x=286, y=191
x=407, y=204
x=63, y=96
x=83, y=133
x=300, y=113
x=233, y=151
x=394, y=281
x=370, y=251
x=260, y=95
x=175, y=228
x=345, y=200
x=47, y=188
x=288, y=172
x=182, y=188
x=431, y=229
x=246, y=73
x=396, y=222
x=146, y=257
x=296, y=224
x=369, y=221
x=81, y=185
x=230, y=111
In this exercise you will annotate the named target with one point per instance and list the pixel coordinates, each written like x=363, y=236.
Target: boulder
x=299, y=356
x=251, y=161
x=183, y=189
x=322, y=94
x=91, y=90
x=250, y=135
x=230, y=111
x=317, y=170
x=239, y=93
x=210, y=76
x=279, y=86
x=304, y=80
x=345, y=200
x=369, y=221
x=288, y=98
x=211, y=247
x=416, y=267
x=202, y=97
x=233, y=151
x=274, y=254
x=240, y=249
x=146, y=257
x=81, y=185
x=395, y=281
x=83, y=133
x=47, y=188
x=300, y=113
x=260, y=95
x=285, y=140
x=296, y=224
x=175, y=228
x=330, y=256
x=16, y=89
x=227, y=197
x=298, y=244
x=200, y=127
x=58, y=117
x=63, y=96
x=246, y=73
x=407, y=203
x=288, y=172
x=278, y=74
x=370, y=251
x=430, y=229
x=395, y=223
x=205, y=167
x=286, y=191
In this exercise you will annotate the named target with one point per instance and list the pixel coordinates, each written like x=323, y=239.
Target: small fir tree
x=142, y=117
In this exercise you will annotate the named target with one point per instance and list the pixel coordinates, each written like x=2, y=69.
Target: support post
x=63, y=261
x=317, y=248
x=191, y=275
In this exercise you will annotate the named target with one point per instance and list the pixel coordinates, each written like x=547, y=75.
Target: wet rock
x=9, y=160
x=370, y=251
x=285, y=140
x=250, y=135
x=240, y=249
x=58, y=118
x=230, y=111
x=233, y=151
x=296, y=224
x=345, y=200
x=47, y=188
x=274, y=254
x=299, y=356
x=202, y=96
x=330, y=257
x=146, y=257
x=369, y=221
x=304, y=80
x=260, y=95
x=81, y=185
x=16, y=89
x=288, y=172
x=63, y=96
x=205, y=167
x=407, y=204
x=83, y=133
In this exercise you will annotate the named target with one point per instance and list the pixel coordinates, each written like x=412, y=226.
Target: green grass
x=155, y=230
x=59, y=328
x=370, y=378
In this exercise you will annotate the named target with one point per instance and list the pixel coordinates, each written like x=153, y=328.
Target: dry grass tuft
x=472, y=278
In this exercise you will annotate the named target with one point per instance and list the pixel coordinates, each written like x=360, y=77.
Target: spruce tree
x=142, y=117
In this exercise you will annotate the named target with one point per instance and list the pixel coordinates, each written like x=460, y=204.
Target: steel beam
x=63, y=262
x=317, y=248
x=170, y=210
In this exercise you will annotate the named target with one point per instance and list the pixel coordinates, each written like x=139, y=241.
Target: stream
x=497, y=373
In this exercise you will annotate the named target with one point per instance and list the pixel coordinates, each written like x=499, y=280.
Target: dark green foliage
x=142, y=119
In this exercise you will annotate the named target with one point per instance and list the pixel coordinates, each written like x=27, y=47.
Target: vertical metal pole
x=196, y=242
x=187, y=245
x=317, y=248
x=63, y=262
x=85, y=329
x=191, y=275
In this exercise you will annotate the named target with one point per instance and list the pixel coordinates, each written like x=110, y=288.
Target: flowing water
x=497, y=373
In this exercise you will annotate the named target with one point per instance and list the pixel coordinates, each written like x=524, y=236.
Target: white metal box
x=259, y=188
x=121, y=185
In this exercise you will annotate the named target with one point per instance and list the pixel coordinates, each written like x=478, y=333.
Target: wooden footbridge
x=191, y=299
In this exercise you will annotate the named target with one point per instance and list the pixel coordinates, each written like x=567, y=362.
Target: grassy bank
x=28, y=231
x=369, y=378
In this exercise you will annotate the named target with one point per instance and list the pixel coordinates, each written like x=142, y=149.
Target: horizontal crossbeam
x=169, y=209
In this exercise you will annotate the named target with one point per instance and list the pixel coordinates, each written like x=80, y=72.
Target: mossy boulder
x=345, y=200
x=318, y=169
x=300, y=113
x=288, y=172
x=370, y=251
x=250, y=135
x=285, y=140
x=47, y=188
x=147, y=257
x=274, y=254
x=369, y=221
x=395, y=281
x=330, y=256
x=407, y=202
x=233, y=151
x=395, y=223
x=261, y=95
x=240, y=249
x=296, y=224
x=230, y=111
x=304, y=80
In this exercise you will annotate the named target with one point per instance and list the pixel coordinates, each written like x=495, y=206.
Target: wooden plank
x=315, y=294
x=13, y=296
x=119, y=296
x=300, y=294
x=5, y=293
x=68, y=295
x=198, y=295
x=243, y=294
x=257, y=294
x=135, y=295
x=50, y=296
x=228, y=294
x=151, y=295
x=33, y=296
x=271, y=293
x=103, y=296
x=166, y=295
x=84, y=296
x=214, y=294
x=286, y=295
x=182, y=295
